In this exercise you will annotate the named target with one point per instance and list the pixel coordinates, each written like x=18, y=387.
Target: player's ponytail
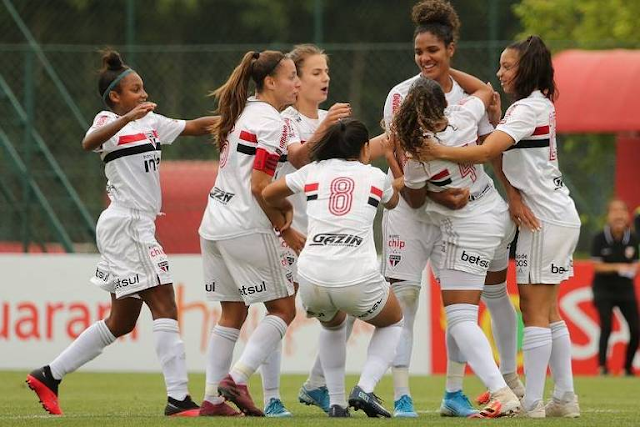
x=343, y=140
x=421, y=112
x=232, y=95
x=535, y=69
x=437, y=17
x=112, y=71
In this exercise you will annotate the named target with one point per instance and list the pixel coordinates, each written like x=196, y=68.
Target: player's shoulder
x=104, y=117
x=291, y=113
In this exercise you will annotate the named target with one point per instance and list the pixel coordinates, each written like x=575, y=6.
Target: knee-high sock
x=560, y=360
x=536, y=347
x=382, y=350
x=85, y=348
x=316, y=375
x=219, y=356
x=333, y=355
x=270, y=372
x=408, y=295
x=462, y=322
x=170, y=351
x=504, y=325
x=260, y=345
x=456, y=364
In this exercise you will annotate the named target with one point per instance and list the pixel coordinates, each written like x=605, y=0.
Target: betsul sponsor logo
x=255, y=289
x=556, y=269
x=474, y=259
x=127, y=281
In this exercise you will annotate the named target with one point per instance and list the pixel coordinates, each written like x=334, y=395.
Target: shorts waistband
x=115, y=207
x=480, y=194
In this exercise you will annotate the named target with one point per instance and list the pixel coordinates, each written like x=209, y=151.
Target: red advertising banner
x=576, y=307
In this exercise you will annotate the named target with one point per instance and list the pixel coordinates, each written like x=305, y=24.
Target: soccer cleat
x=181, y=408
x=276, y=409
x=567, y=407
x=41, y=381
x=337, y=411
x=514, y=383
x=368, y=402
x=503, y=403
x=239, y=395
x=536, y=411
x=456, y=404
x=403, y=407
x=208, y=409
x=315, y=396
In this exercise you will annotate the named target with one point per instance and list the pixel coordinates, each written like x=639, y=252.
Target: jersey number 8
x=341, y=196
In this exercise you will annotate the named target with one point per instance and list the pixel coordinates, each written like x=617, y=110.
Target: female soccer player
x=540, y=204
x=337, y=269
x=133, y=267
x=476, y=238
x=243, y=262
x=411, y=235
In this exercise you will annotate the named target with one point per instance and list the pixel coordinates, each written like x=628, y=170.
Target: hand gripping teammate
x=337, y=269
x=411, y=235
x=309, y=122
x=242, y=257
x=547, y=218
x=476, y=238
x=133, y=267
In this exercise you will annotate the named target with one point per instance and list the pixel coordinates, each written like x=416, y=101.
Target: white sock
x=536, y=346
x=316, y=376
x=333, y=354
x=456, y=365
x=170, y=351
x=260, y=345
x=382, y=350
x=462, y=322
x=86, y=347
x=219, y=356
x=560, y=360
x=504, y=325
x=270, y=373
x=408, y=295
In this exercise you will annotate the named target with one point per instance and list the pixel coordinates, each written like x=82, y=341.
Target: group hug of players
x=291, y=212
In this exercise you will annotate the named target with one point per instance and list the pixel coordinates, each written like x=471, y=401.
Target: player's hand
x=521, y=214
x=429, y=150
x=140, y=110
x=494, y=110
x=294, y=239
x=339, y=110
x=452, y=198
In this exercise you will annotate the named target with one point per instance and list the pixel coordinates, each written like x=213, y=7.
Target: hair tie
x=113, y=84
x=255, y=55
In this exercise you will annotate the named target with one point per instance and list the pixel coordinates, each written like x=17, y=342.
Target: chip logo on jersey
x=394, y=259
x=210, y=287
x=442, y=178
x=396, y=243
x=155, y=251
x=332, y=239
x=164, y=266
x=220, y=195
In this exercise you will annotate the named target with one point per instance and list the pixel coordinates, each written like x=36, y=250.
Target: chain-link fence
x=48, y=89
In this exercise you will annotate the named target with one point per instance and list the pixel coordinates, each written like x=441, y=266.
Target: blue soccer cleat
x=403, y=408
x=456, y=404
x=275, y=409
x=315, y=396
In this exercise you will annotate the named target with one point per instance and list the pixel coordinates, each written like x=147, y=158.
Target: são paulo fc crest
x=394, y=259
x=164, y=266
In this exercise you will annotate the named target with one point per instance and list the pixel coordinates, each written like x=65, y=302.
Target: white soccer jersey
x=259, y=133
x=392, y=105
x=342, y=200
x=439, y=175
x=304, y=127
x=132, y=159
x=531, y=164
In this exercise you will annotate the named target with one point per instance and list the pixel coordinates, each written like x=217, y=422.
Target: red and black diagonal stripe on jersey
x=250, y=145
x=538, y=139
x=375, y=195
x=441, y=179
x=311, y=190
x=137, y=137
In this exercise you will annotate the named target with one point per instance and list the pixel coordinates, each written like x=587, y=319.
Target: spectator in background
x=636, y=221
x=615, y=256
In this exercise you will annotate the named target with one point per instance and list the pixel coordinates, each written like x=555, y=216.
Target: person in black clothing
x=615, y=256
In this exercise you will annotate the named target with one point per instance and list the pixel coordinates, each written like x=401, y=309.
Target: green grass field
x=92, y=399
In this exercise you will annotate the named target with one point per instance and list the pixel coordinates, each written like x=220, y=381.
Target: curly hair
x=422, y=111
x=437, y=17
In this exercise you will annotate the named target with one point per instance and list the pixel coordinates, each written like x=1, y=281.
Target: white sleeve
x=473, y=107
x=484, y=126
x=273, y=134
x=415, y=175
x=391, y=107
x=297, y=180
x=294, y=132
x=518, y=122
x=101, y=119
x=168, y=129
x=387, y=188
